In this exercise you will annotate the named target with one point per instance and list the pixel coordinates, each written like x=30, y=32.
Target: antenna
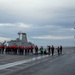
x=19, y=33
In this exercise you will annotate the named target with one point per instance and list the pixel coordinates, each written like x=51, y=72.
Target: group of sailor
x=30, y=50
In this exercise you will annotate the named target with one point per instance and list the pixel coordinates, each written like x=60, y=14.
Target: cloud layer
x=37, y=11
x=49, y=37
x=42, y=20
x=36, y=32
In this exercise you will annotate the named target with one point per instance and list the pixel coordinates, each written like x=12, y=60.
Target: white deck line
x=21, y=62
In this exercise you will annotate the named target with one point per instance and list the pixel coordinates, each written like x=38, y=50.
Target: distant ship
x=20, y=42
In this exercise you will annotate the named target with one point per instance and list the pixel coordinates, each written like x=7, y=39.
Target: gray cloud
x=37, y=18
x=37, y=11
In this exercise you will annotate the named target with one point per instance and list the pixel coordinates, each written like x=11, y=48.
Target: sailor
x=41, y=50
x=31, y=48
x=49, y=49
x=36, y=49
x=52, y=49
x=58, y=50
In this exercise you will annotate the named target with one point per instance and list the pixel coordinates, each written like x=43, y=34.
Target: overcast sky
x=46, y=22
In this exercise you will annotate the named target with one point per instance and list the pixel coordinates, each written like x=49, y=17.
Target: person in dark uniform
x=28, y=49
x=49, y=49
x=60, y=49
x=21, y=49
x=45, y=52
x=52, y=49
x=25, y=50
x=31, y=48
